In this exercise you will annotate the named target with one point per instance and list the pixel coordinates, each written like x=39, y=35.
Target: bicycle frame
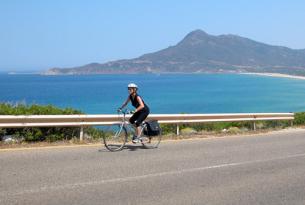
x=125, y=123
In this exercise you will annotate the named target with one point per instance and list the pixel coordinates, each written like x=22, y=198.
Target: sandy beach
x=278, y=75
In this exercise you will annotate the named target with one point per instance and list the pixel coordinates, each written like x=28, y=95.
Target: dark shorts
x=138, y=117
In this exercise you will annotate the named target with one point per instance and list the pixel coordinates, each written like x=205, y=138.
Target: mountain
x=201, y=52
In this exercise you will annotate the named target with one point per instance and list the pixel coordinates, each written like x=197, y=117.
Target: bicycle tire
x=114, y=137
x=150, y=142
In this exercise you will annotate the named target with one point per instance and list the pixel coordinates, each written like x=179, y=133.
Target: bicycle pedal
x=143, y=139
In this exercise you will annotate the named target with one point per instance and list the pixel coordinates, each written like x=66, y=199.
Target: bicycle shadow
x=130, y=147
x=135, y=147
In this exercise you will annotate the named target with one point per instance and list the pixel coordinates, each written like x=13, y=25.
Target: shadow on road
x=128, y=147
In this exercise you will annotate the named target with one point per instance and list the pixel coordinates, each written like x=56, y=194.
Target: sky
x=42, y=34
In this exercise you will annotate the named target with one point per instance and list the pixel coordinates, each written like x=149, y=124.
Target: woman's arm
x=125, y=103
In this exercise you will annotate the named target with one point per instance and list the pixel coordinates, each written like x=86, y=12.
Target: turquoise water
x=165, y=93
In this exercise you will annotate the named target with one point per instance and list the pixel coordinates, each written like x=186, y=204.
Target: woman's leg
x=138, y=131
x=137, y=119
x=141, y=117
x=133, y=121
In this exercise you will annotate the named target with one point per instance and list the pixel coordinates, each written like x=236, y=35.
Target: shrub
x=38, y=134
x=299, y=118
x=234, y=130
x=168, y=128
x=188, y=131
x=54, y=137
x=274, y=123
x=2, y=132
x=94, y=133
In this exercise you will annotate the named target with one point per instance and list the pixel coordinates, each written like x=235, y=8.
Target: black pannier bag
x=153, y=128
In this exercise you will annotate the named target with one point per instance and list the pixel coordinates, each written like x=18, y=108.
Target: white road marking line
x=132, y=178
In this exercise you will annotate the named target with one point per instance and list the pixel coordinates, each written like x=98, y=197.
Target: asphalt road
x=263, y=169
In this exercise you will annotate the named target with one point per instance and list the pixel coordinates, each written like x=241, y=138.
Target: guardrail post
x=81, y=133
x=178, y=130
x=254, y=126
x=291, y=123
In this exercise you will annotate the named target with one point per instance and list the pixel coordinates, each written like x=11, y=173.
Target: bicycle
x=117, y=135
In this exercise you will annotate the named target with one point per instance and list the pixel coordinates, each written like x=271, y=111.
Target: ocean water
x=164, y=93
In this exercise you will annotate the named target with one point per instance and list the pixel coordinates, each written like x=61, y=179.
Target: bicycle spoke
x=150, y=142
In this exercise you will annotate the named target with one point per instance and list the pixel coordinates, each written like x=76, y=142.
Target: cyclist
x=141, y=111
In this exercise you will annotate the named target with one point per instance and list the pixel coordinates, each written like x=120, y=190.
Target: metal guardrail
x=18, y=121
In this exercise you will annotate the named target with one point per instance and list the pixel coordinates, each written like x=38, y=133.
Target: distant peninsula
x=199, y=52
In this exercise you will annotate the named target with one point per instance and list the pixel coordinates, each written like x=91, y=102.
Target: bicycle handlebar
x=125, y=111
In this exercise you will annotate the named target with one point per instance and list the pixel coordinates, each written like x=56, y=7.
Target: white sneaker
x=135, y=139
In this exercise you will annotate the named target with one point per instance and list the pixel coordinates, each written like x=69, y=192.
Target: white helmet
x=132, y=85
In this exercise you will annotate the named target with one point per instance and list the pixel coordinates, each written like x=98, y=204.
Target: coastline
x=277, y=75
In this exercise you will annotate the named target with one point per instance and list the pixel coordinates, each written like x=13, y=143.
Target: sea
x=163, y=93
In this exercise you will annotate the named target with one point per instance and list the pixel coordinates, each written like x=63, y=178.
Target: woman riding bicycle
x=141, y=111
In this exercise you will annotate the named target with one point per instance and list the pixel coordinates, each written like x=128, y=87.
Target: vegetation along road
x=260, y=169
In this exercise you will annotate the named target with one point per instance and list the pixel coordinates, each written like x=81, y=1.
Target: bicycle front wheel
x=114, y=137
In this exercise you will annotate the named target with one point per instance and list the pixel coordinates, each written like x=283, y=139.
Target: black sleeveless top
x=135, y=102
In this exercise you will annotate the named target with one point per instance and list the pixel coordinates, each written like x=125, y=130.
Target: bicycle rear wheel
x=150, y=142
x=114, y=137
